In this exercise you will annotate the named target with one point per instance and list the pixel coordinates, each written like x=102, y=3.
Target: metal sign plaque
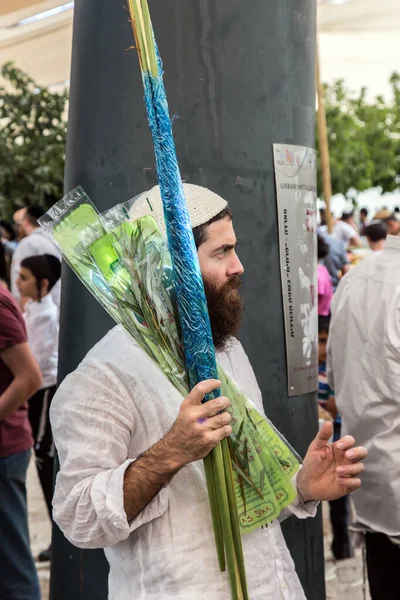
x=295, y=176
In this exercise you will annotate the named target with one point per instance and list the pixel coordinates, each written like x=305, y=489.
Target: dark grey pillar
x=239, y=76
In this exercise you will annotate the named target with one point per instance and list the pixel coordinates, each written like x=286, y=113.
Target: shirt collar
x=34, y=307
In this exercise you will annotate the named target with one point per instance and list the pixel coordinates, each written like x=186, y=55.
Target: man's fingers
x=356, y=454
x=218, y=421
x=349, y=470
x=213, y=407
x=219, y=434
x=323, y=436
x=345, y=443
x=197, y=394
x=351, y=484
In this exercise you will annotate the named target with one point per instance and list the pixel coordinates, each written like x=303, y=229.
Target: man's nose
x=235, y=267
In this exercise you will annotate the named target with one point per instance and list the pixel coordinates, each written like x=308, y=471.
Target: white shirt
x=364, y=371
x=32, y=245
x=111, y=409
x=42, y=325
x=344, y=232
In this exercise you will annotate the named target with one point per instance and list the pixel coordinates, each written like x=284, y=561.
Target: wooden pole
x=323, y=146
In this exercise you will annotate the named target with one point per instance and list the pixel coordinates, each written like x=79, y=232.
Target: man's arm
x=330, y=406
x=102, y=494
x=355, y=242
x=196, y=431
x=27, y=378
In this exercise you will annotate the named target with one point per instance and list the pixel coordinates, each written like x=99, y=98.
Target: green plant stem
x=214, y=508
x=223, y=503
x=235, y=525
x=150, y=39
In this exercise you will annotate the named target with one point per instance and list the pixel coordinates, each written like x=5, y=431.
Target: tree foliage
x=363, y=137
x=32, y=142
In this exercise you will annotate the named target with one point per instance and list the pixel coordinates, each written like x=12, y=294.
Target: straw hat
x=383, y=214
x=202, y=203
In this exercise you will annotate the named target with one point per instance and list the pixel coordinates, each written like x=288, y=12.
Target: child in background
x=37, y=276
x=339, y=509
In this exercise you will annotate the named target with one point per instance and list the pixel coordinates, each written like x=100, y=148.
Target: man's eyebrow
x=225, y=247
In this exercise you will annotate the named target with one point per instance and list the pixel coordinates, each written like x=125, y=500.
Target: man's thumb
x=324, y=435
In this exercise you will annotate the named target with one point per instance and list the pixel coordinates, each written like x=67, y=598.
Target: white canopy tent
x=359, y=42
x=37, y=36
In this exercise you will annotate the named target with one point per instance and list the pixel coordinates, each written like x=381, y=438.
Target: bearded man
x=131, y=478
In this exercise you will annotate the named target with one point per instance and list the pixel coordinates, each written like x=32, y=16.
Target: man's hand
x=330, y=471
x=198, y=427
x=196, y=431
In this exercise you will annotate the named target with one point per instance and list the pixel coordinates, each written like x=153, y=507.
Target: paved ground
x=39, y=527
x=344, y=579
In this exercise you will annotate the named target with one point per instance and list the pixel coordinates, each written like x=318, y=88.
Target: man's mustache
x=233, y=283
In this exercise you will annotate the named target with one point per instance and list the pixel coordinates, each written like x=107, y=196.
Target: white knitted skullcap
x=202, y=203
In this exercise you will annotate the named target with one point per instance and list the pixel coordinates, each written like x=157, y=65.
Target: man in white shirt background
x=344, y=230
x=18, y=218
x=131, y=479
x=34, y=243
x=364, y=371
x=37, y=277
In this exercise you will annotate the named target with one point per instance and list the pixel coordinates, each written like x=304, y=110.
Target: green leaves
x=363, y=137
x=33, y=133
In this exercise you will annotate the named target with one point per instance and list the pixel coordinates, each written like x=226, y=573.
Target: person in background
x=322, y=217
x=345, y=230
x=340, y=508
x=336, y=260
x=325, y=287
x=391, y=220
x=19, y=379
x=18, y=218
x=4, y=275
x=364, y=222
x=376, y=234
x=393, y=225
x=364, y=370
x=36, y=242
x=7, y=235
x=37, y=276
x=9, y=243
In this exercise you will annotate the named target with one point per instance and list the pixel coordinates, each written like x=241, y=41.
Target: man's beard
x=225, y=307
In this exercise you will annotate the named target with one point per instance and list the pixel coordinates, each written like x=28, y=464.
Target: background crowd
x=359, y=364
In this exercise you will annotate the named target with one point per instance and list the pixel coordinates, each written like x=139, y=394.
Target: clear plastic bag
x=127, y=267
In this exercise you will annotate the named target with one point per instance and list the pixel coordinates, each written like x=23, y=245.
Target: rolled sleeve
x=93, y=424
x=108, y=501
x=302, y=510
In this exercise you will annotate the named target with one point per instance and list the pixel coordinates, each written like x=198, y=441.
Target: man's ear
x=45, y=287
